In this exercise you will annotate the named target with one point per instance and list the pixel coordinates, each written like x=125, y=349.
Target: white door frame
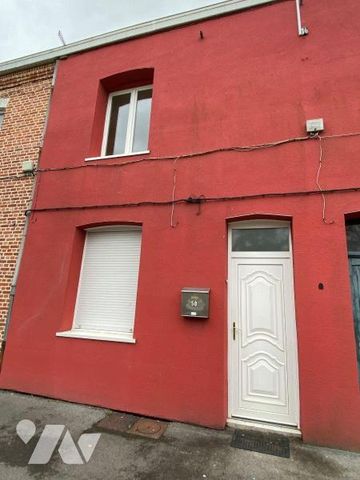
x=232, y=370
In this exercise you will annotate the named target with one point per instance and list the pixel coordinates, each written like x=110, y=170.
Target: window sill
x=97, y=335
x=122, y=155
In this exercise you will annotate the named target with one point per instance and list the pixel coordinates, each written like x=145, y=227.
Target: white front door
x=263, y=368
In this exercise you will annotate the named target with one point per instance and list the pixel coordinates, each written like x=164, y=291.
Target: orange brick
x=28, y=92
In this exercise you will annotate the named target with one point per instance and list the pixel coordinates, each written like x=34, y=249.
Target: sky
x=29, y=26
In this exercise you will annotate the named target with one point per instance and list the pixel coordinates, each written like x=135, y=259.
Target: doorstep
x=254, y=425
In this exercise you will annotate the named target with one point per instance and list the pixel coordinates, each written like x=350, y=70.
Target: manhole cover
x=270, y=444
x=148, y=428
x=117, y=422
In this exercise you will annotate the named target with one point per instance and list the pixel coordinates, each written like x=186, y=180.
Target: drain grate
x=267, y=443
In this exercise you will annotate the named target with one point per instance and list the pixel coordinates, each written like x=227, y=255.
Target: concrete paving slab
x=183, y=452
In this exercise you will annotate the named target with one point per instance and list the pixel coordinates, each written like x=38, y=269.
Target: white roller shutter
x=107, y=290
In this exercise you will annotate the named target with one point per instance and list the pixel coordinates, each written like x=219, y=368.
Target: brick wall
x=28, y=92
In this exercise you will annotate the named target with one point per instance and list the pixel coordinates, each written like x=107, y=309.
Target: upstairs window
x=3, y=105
x=127, y=122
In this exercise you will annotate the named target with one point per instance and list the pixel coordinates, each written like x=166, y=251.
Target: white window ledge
x=122, y=155
x=97, y=335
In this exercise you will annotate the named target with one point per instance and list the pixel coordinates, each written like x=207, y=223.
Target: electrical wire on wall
x=239, y=149
x=327, y=222
x=185, y=156
x=172, y=224
x=194, y=155
x=193, y=200
x=8, y=178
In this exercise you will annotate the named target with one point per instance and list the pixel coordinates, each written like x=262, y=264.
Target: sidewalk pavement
x=183, y=452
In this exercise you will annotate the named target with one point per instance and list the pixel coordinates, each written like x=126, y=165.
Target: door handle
x=234, y=329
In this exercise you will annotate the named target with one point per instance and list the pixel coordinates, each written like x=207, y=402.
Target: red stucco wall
x=250, y=80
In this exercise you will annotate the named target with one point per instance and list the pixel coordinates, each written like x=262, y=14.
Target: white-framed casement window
x=107, y=291
x=3, y=105
x=127, y=122
x=2, y=113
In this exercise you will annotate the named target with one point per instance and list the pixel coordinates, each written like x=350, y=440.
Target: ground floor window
x=353, y=244
x=107, y=290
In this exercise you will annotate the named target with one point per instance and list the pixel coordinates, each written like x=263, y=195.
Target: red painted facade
x=250, y=80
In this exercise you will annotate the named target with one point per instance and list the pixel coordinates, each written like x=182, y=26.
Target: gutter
x=128, y=33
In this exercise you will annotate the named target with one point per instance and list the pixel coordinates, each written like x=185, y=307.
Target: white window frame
x=3, y=104
x=130, y=125
x=83, y=333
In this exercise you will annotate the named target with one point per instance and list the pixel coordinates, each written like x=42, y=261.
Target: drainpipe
x=13, y=289
x=26, y=226
x=302, y=30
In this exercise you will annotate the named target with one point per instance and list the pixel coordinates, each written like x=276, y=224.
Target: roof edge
x=127, y=33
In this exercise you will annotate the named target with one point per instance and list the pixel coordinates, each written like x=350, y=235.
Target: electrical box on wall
x=28, y=166
x=315, y=125
x=195, y=302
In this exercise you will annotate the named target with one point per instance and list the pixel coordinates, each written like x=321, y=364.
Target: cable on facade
x=327, y=222
x=239, y=149
x=14, y=177
x=172, y=224
x=192, y=200
x=173, y=202
x=185, y=156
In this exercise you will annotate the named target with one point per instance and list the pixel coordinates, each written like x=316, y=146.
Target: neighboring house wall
x=27, y=93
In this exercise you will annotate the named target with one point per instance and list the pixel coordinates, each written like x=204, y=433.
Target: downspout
x=302, y=30
x=13, y=286
x=26, y=226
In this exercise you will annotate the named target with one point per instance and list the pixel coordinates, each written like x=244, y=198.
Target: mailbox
x=195, y=302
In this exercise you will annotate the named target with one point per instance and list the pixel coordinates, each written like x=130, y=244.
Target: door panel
x=264, y=347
